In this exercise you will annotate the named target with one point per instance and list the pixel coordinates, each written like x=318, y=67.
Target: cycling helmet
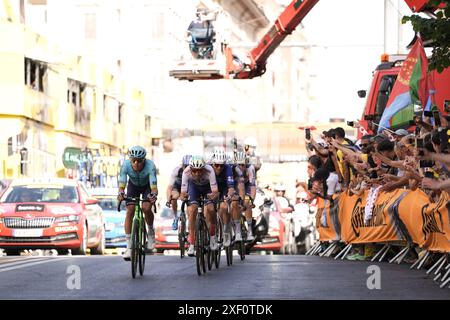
x=219, y=157
x=186, y=160
x=240, y=158
x=197, y=162
x=279, y=187
x=137, y=152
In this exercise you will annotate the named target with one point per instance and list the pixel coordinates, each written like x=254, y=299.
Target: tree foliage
x=437, y=31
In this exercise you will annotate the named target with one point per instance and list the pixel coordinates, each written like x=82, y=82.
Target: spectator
x=283, y=202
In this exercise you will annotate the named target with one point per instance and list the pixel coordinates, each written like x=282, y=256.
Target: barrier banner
x=382, y=225
x=374, y=217
x=327, y=219
x=427, y=223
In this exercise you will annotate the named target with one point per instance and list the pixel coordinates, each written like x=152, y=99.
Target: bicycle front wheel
x=134, y=248
x=206, y=245
x=142, y=245
x=199, y=257
x=182, y=235
x=219, y=233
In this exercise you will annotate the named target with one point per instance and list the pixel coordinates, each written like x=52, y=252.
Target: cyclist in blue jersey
x=225, y=183
x=141, y=174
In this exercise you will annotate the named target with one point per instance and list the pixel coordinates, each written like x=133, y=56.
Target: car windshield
x=30, y=193
x=110, y=203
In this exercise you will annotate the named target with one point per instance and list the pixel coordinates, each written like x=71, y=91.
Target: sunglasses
x=137, y=160
x=216, y=165
x=195, y=171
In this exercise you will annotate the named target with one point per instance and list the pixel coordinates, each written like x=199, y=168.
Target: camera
x=351, y=123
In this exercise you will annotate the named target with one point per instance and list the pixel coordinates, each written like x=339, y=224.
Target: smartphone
x=426, y=163
x=351, y=123
x=308, y=133
x=437, y=118
x=428, y=114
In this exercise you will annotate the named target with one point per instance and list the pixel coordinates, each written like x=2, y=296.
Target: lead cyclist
x=141, y=173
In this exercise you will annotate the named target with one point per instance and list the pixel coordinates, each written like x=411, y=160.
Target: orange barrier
x=400, y=215
x=327, y=220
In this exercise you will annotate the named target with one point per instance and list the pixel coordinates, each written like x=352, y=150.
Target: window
x=10, y=146
x=62, y=194
x=111, y=109
x=80, y=96
x=384, y=91
x=148, y=122
x=121, y=109
x=36, y=75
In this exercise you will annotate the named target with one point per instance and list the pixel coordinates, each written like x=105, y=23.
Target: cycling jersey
x=207, y=177
x=225, y=178
x=175, y=177
x=139, y=179
x=249, y=176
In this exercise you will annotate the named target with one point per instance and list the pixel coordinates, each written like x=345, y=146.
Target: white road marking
x=27, y=263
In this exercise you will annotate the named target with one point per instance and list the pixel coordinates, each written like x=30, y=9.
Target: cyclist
x=250, y=145
x=199, y=180
x=142, y=180
x=248, y=173
x=225, y=182
x=173, y=190
x=239, y=187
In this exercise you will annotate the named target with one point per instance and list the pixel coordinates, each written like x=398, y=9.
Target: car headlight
x=71, y=218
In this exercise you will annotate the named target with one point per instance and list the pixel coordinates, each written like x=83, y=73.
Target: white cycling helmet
x=197, y=162
x=219, y=157
x=279, y=187
x=240, y=158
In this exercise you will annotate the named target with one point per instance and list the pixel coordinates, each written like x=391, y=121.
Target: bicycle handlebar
x=135, y=200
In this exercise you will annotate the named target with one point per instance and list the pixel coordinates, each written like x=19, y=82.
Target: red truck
x=383, y=81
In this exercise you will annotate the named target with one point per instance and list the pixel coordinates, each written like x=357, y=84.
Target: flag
x=411, y=86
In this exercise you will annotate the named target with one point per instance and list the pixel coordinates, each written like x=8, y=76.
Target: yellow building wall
x=45, y=121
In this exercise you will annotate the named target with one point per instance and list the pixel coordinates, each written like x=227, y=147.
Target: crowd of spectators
x=379, y=163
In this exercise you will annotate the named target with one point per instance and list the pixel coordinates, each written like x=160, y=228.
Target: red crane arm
x=289, y=19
